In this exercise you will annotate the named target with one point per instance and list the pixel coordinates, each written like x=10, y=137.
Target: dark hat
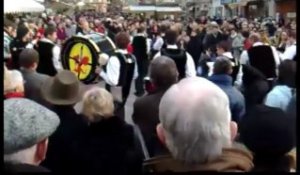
x=26, y=123
x=63, y=89
x=268, y=131
x=22, y=31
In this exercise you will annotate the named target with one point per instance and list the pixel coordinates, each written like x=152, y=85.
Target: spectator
x=163, y=73
x=29, y=60
x=270, y=135
x=70, y=28
x=281, y=95
x=211, y=39
x=283, y=41
x=9, y=34
x=195, y=126
x=62, y=92
x=108, y=144
x=14, y=85
x=19, y=43
x=237, y=42
x=27, y=126
x=61, y=33
x=221, y=77
x=50, y=52
x=291, y=49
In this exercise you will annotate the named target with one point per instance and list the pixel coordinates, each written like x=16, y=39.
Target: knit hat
x=22, y=31
x=26, y=123
x=267, y=131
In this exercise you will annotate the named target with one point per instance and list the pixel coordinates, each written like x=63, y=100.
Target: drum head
x=80, y=55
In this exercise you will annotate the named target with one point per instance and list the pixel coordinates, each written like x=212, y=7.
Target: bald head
x=163, y=72
x=195, y=117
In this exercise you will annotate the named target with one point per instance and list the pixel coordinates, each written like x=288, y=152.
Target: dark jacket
x=46, y=65
x=210, y=42
x=145, y=115
x=236, y=99
x=194, y=47
x=16, y=47
x=231, y=160
x=33, y=85
x=10, y=168
x=60, y=154
x=107, y=147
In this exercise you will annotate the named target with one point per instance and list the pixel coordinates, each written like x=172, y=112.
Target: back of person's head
x=50, y=30
x=222, y=65
x=245, y=34
x=171, y=37
x=268, y=132
x=15, y=82
x=122, y=39
x=141, y=29
x=287, y=73
x=29, y=58
x=225, y=45
x=97, y=104
x=22, y=31
x=163, y=72
x=27, y=126
x=255, y=37
x=196, y=125
x=256, y=92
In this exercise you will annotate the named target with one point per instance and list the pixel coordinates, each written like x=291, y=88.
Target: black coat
x=194, y=47
x=145, y=115
x=107, y=147
x=10, y=168
x=59, y=158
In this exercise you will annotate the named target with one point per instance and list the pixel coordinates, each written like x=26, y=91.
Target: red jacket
x=247, y=44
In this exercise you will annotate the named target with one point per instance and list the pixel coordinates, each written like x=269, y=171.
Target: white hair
x=16, y=78
x=197, y=121
x=22, y=156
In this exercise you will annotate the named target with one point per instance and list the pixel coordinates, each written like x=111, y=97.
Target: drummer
x=85, y=28
x=119, y=72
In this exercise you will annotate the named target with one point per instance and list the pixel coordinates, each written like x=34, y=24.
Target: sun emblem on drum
x=80, y=60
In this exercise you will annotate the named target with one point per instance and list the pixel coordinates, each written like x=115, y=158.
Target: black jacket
x=16, y=47
x=59, y=158
x=10, y=168
x=107, y=147
x=145, y=116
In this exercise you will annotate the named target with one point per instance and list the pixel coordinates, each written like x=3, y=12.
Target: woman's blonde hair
x=97, y=103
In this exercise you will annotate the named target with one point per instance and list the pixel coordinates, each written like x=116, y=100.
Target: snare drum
x=80, y=54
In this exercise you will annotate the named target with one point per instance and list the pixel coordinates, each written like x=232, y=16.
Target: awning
x=168, y=9
x=22, y=6
x=141, y=8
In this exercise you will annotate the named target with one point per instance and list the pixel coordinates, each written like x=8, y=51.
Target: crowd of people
x=212, y=95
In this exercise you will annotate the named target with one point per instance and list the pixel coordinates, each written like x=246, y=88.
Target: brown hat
x=63, y=89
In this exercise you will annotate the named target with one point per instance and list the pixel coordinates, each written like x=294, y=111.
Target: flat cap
x=26, y=123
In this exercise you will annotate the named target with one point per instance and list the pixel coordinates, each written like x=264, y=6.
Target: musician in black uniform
x=184, y=61
x=119, y=72
x=140, y=52
x=49, y=53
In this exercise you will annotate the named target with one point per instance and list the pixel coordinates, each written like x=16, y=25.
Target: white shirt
x=55, y=53
x=190, y=70
x=289, y=52
x=111, y=76
x=158, y=43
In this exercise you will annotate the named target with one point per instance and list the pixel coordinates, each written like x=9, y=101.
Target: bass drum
x=80, y=54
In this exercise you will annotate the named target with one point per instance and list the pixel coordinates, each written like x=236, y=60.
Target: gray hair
x=196, y=122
